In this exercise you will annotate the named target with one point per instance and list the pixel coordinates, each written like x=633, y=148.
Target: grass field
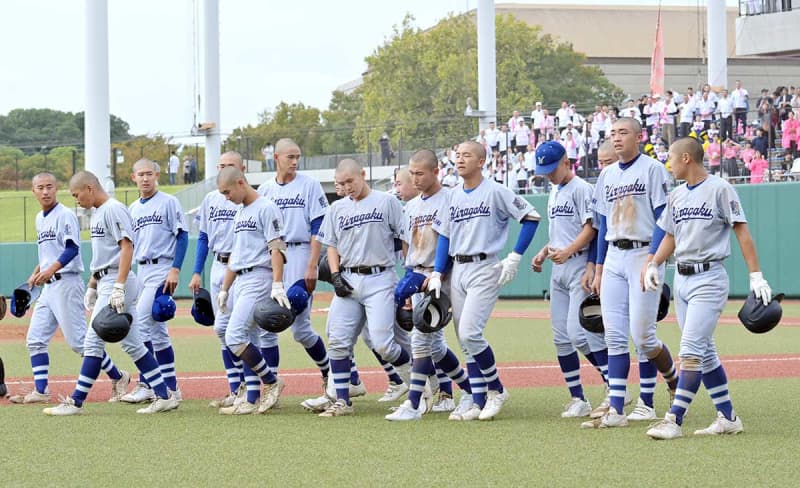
x=527, y=445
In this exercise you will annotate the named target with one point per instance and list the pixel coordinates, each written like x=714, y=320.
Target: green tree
x=339, y=122
x=296, y=121
x=31, y=129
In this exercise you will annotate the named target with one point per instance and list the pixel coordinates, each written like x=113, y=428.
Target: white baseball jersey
x=363, y=232
x=477, y=221
x=111, y=222
x=418, y=216
x=215, y=218
x=627, y=197
x=300, y=201
x=156, y=223
x=701, y=219
x=53, y=230
x=254, y=226
x=568, y=209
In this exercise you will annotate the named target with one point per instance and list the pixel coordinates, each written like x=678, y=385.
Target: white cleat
x=609, y=420
x=338, y=409
x=406, y=412
x=316, y=405
x=358, y=390
x=270, y=395
x=120, y=387
x=601, y=409
x=471, y=413
x=444, y=403
x=394, y=392
x=241, y=408
x=226, y=401
x=140, y=394
x=464, y=404
x=722, y=426
x=160, y=405
x=666, y=429
x=576, y=408
x=31, y=398
x=494, y=403
x=177, y=394
x=65, y=408
x=642, y=412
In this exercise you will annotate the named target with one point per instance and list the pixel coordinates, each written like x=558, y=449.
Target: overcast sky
x=296, y=51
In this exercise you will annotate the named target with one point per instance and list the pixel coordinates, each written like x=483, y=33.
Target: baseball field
x=527, y=445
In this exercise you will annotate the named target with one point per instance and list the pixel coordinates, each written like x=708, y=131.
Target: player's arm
x=602, y=249
x=125, y=260
x=278, y=258
x=585, y=236
x=32, y=277
x=71, y=250
x=758, y=284
x=316, y=249
x=201, y=253
x=538, y=259
x=181, y=244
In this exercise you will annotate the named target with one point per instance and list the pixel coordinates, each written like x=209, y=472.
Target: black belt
x=245, y=270
x=222, y=257
x=579, y=253
x=102, y=272
x=465, y=258
x=629, y=244
x=54, y=278
x=149, y=261
x=366, y=270
x=293, y=244
x=688, y=269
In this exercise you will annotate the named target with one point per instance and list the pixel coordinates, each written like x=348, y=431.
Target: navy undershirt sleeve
x=70, y=251
x=201, y=253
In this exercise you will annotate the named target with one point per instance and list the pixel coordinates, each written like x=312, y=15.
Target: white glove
x=651, y=277
x=89, y=299
x=222, y=301
x=760, y=287
x=279, y=295
x=435, y=284
x=510, y=265
x=117, y=299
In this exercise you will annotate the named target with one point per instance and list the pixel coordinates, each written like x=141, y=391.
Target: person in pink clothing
x=758, y=166
x=730, y=165
x=746, y=155
x=790, y=133
x=713, y=152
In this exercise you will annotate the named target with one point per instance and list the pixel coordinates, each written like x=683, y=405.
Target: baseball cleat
x=665, y=429
x=140, y=394
x=576, y=408
x=226, y=401
x=270, y=395
x=338, y=409
x=601, y=409
x=406, y=412
x=394, y=392
x=722, y=426
x=177, y=394
x=31, y=397
x=316, y=405
x=120, y=387
x=471, y=413
x=494, y=403
x=242, y=408
x=65, y=408
x=610, y=419
x=161, y=405
x=444, y=403
x=642, y=412
x=404, y=372
x=426, y=402
x=3, y=390
x=464, y=404
x=358, y=390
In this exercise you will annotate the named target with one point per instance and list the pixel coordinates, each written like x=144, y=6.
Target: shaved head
x=285, y=144
x=426, y=158
x=630, y=123
x=146, y=164
x=689, y=146
x=476, y=148
x=229, y=176
x=82, y=179
x=42, y=177
x=231, y=158
x=403, y=175
x=349, y=166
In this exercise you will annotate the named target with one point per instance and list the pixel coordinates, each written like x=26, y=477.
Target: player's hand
x=117, y=299
x=194, y=283
x=598, y=278
x=509, y=268
x=172, y=280
x=89, y=299
x=434, y=284
x=279, y=295
x=559, y=256
x=587, y=278
x=311, y=278
x=42, y=277
x=32, y=280
x=341, y=286
x=760, y=287
x=649, y=277
x=537, y=262
x=222, y=301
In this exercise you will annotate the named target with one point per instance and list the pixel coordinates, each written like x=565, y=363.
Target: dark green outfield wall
x=773, y=212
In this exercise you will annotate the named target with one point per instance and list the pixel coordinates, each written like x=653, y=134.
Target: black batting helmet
x=759, y=319
x=324, y=272
x=590, y=316
x=202, y=308
x=110, y=325
x=431, y=314
x=272, y=317
x=663, y=304
x=405, y=318
x=3, y=307
x=23, y=297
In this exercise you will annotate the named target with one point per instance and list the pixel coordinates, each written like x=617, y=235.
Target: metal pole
x=97, y=139
x=16, y=172
x=25, y=218
x=75, y=162
x=487, y=63
x=717, y=43
x=211, y=100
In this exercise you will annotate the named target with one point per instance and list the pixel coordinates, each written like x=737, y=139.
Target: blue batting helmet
x=298, y=296
x=202, y=308
x=163, y=305
x=24, y=295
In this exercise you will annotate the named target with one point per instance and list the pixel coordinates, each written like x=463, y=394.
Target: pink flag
x=657, y=62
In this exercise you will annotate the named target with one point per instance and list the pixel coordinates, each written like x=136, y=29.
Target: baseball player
x=473, y=231
x=629, y=196
x=112, y=283
x=61, y=302
x=303, y=205
x=215, y=221
x=161, y=242
x=360, y=232
x=257, y=258
x=696, y=227
x=429, y=351
x=571, y=235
